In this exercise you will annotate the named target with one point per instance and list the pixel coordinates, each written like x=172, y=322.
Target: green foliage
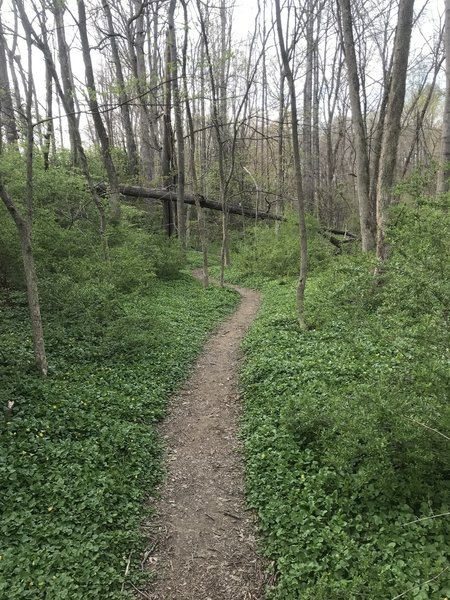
x=10, y=259
x=79, y=453
x=339, y=462
x=265, y=254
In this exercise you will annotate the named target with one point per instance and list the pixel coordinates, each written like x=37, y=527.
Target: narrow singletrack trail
x=204, y=545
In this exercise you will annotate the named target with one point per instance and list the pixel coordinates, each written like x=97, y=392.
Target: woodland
x=301, y=148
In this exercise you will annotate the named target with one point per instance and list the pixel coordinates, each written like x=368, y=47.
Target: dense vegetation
x=78, y=450
x=347, y=413
x=346, y=466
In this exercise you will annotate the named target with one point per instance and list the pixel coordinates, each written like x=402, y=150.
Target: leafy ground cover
x=346, y=480
x=79, y=454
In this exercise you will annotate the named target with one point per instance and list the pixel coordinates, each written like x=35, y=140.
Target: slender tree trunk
x=201, y=216
x=130, y=142
x=166, y=159
x=8, y=119
x=203, y=147
x=147, y=158
x=50, y=132
x=366, y=216
x=444, y=172
x=223, y=142
x=392, y=125
x=316, y=121
x=24, y=228
x=298, y=174
x=308, y=189
x=96, y=116
x=66, y=76
x=280, y=156
x=181, y=213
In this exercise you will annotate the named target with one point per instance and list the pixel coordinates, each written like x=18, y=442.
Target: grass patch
x=79, y=453
x=337, y=467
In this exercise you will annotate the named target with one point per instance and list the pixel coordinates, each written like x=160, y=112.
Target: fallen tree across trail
x=137, y=191
x=157, y=194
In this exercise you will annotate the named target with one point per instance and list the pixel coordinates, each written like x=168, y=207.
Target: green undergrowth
x=79, y=454
x=345, y=474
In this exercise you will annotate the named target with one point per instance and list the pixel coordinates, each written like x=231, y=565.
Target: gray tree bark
x=130, y=142
x=66, y=75
x=96, y=116
x=181, y=213
x=24, y=228
x=167, y=146
x=392, y=125
x=308, y=181
x=297, y=167
x=444, y=173
x=201, y=213
x=6, y=103
x=366, y=213
x=146, y=151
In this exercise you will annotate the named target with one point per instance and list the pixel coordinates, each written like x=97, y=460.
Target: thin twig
x=143, y=594
x=430, y=428
x=424, y=583
x=127, y=568
x=233, y=516
x=446, y=514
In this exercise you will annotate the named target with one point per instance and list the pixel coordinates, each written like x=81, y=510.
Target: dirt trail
x=205, y=547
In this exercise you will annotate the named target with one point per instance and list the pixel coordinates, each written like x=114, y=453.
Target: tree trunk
x=308, y=189
x=147, y=158
x=366, y=216
x=96, y=116
x=8, y=119
x=130, y=142
x=392, y=124
x=444, y=172
x=201, y=217
x=298, y=174
x=136, y=191
x=181, y=213
x=280, y=148
x=167, y=149
x=49, y=132
x=66, y=76
x=24, y=228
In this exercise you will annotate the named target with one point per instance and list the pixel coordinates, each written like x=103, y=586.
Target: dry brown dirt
x=203, y=541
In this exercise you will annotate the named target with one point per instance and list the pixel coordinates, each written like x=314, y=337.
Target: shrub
x=265, y=254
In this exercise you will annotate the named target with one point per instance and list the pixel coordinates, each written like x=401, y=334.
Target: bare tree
x=297, y=168
x=392, y=125
x=366, y=210
x=444, y=174
x=7, y=114
x=67, y=102
x=96, y=116
x=122, y=94
x=201, y=217
x=167, y=145
x=181, y=213
x=146, y=150
x=24, y=224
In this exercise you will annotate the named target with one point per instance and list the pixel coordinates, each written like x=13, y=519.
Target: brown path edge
x=203, y=543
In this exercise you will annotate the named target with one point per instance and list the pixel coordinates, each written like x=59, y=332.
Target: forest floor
x=204, y=543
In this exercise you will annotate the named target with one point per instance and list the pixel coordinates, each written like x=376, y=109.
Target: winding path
x=204, y=546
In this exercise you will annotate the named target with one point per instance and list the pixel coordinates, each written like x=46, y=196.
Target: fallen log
x=137, y=191
x=156, y=194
